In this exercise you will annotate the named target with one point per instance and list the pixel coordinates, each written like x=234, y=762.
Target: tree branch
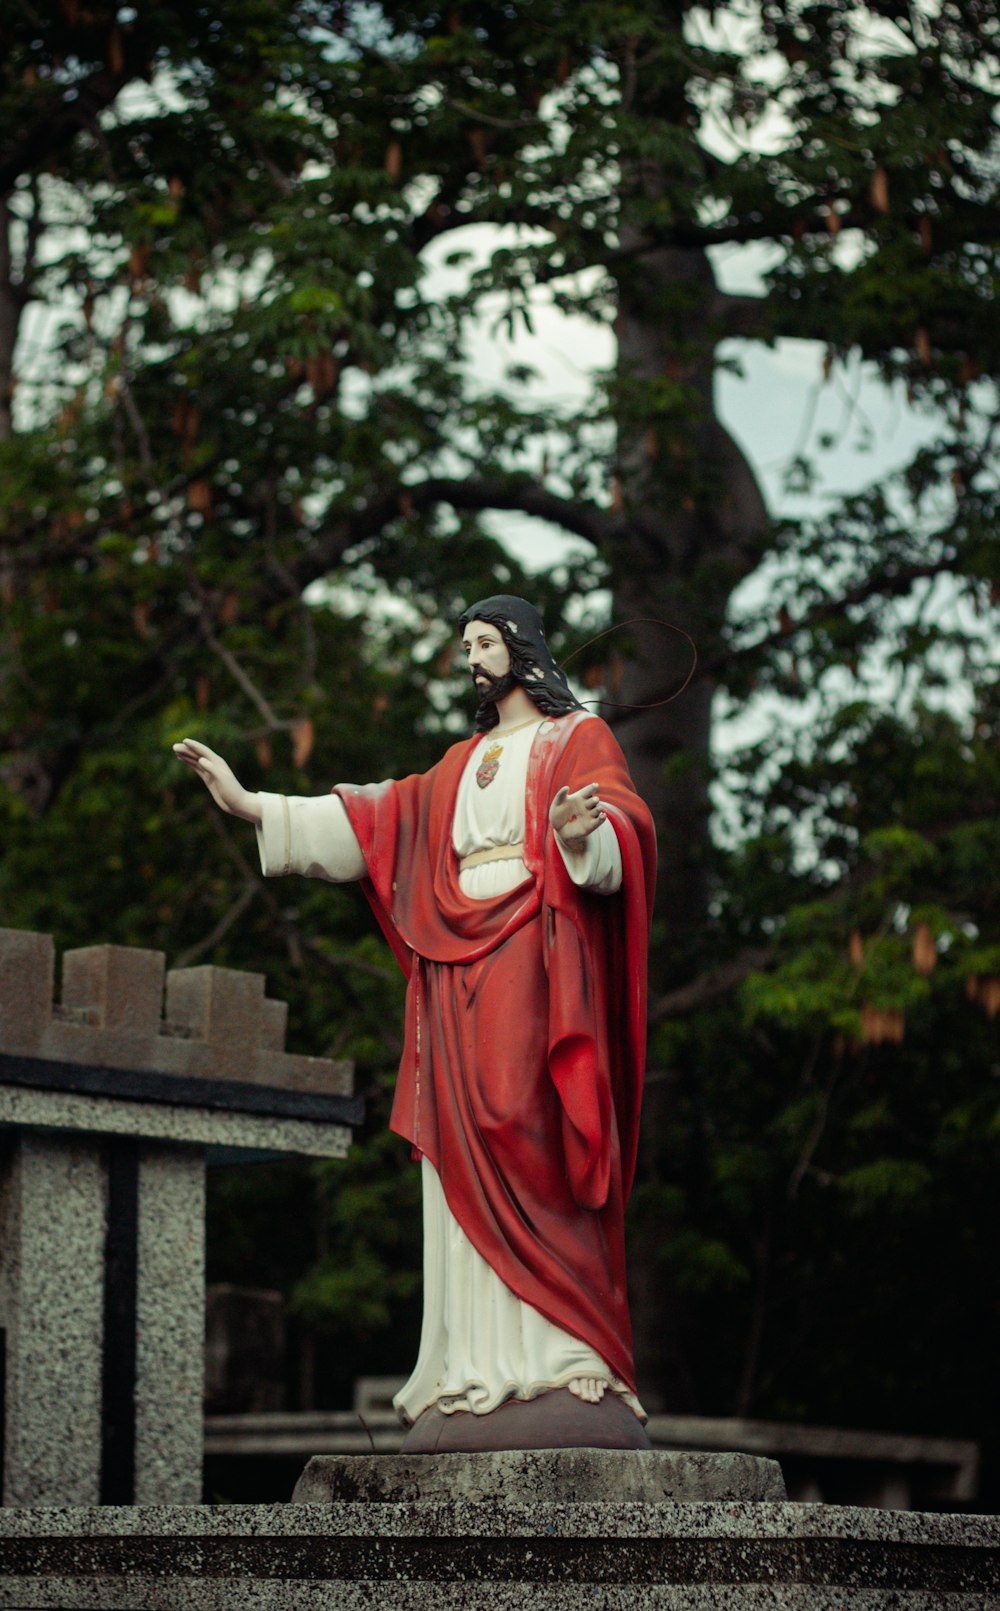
x=232, y=665
x=596, y=525
x=710, y=986
x=887, y=585
x=225, y=923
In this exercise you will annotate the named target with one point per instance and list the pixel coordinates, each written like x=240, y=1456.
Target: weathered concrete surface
x=52, y=1221
x=735, y=1556
x=25, y=1108
x=170, y=1326
x=546, y=1476
x=219, y=1024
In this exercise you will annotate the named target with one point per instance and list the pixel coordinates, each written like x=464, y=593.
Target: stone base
x=462, y=1556
x=541, y=1476
x=554, y=1420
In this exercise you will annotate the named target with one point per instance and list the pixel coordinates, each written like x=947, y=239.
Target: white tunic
x=480, y=1344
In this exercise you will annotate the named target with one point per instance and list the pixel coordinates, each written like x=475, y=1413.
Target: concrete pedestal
x=539, y=1476
x=472, y=1556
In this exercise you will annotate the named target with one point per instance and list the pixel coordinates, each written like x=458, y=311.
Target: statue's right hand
x=219, y=779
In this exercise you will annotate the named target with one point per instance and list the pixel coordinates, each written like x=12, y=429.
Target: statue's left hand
x=574, y=816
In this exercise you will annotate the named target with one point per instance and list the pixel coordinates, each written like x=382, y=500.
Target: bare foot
x=589, y=1388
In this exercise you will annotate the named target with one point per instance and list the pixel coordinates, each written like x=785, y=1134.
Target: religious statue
x=514, y=884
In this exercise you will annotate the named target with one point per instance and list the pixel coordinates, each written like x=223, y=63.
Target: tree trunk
x=697, y=527
x=10, y=318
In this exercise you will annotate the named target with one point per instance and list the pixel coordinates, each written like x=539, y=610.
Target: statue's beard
x=490, y=689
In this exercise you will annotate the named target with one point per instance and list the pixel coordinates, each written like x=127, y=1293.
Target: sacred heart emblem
x=489, y=766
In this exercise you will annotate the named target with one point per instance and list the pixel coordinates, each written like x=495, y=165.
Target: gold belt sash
x=495, y=853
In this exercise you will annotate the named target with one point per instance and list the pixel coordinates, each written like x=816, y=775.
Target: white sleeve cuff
x=598, y=866
x=310, y=836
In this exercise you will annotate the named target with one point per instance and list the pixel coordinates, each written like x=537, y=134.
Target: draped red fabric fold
x=521, y=1075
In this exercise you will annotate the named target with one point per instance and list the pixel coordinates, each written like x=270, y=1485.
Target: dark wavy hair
x=520, y=626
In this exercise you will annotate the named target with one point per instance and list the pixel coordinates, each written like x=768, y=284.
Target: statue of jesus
x=514, y=883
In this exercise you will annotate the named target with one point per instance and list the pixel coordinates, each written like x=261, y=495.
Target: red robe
x=521, y=1076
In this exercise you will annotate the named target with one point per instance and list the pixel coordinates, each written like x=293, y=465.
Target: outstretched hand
x=574, y=816
x=219, y=779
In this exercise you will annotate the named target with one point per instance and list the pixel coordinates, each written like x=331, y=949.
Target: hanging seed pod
x=303, y=738
x=856, y=949
x=880, y=1024
x=989, y=997
x=323, y=370
x=833, y=222
x=926, y=231
x=922, y=342
x=924, y=950
x=878, y=193
x=200, y=497
x=394, y=159
x=984, y=992
x=138, y=257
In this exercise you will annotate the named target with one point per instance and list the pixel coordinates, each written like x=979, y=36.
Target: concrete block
x=52, y=1223
x=27, y=976
x=170, y=1325
x=274, y=1023
x=121, y=985
x=224, y=1008
x=539, y=1476
x=295, y=1072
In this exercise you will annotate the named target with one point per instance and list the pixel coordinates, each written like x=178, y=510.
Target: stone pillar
x=53, y=1195
x=170, y=1333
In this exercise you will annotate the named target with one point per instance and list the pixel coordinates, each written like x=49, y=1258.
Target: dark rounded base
x=554, y=1420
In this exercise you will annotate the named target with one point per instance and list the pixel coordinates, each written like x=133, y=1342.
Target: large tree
x=244, y=417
